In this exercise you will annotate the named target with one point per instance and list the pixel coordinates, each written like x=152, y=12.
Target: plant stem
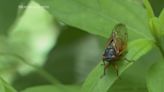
x=40, y=70
x=155, y=30
x=44, y=73
x=160, y=48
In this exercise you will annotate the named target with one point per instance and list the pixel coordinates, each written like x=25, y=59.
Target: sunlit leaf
x=33, y=36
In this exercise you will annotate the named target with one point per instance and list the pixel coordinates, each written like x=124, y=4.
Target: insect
x=115, y=47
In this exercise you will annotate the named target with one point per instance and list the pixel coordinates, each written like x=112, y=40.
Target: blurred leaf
x=74, y=45
x=154, y=24
x=155, y=77
x=8, y=13
x=23, y=6
x=33, y=36
x=8, y=63
x=99, y=16
x=5, y=87
x=51, y=88
x=161, y=19
x=149, y=9
x=157, y=6
x=94, y=83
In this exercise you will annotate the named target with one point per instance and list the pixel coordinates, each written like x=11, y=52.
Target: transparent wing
x=120, y=37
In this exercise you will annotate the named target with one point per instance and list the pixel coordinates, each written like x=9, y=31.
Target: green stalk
x=155, y=30
x=161, y=50
x=40, y=70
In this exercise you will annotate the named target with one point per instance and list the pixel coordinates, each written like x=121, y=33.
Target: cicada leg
x=105, y=67
x=116, y=68
x=129, y=61
x=103, y=63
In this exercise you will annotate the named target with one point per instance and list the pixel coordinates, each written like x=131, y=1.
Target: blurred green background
x=65, y=52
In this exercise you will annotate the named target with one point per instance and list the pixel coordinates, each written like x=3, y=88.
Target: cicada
x=115, y=47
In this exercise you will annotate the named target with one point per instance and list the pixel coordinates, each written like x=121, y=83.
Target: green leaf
x=8, y=12
x=5, y=87
x=155, y=27
x=75, y=65
x=156, y=24
x=94, y=83
x=155, y=77
x=22, y=51
x=23, y=6
x=134, y=79
x=99, y=16
x=161, y=19
x=157, y=6
x=52, y=88
x=149, y=9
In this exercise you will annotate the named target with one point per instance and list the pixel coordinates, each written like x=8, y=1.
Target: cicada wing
x=120, y=37
x=110, y=39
